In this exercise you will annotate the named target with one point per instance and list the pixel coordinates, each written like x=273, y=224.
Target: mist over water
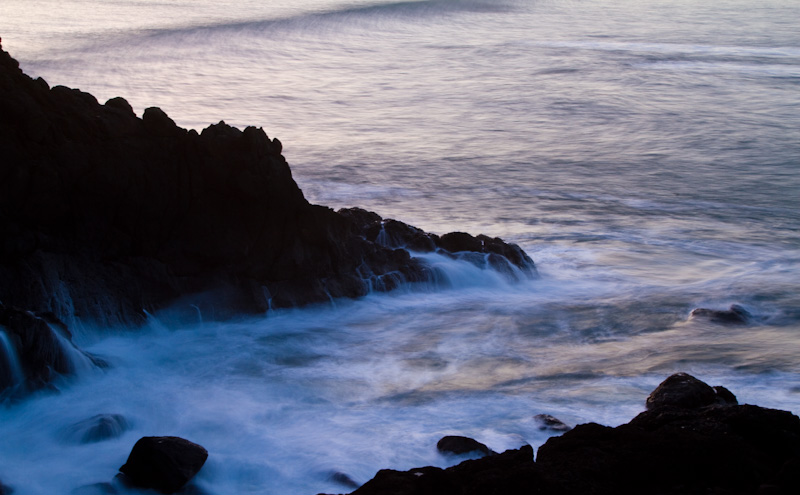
x=644, y=153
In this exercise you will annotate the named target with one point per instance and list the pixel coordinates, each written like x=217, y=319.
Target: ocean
x=646, y=154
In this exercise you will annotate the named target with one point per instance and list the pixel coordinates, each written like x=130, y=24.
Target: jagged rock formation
x=692, y=439
x=104, y=216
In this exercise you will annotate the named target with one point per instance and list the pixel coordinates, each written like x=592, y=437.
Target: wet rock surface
x=165, y=464
x=692, y=439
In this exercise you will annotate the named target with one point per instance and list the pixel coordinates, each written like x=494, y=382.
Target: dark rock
x=547, y=422
x=5, y=490
x=97, y=428
x=458, y=445
x=685, y=391
x=165, y=464
x=736, y=315
x=510, y=473
x=682, y=446
x=675, y=449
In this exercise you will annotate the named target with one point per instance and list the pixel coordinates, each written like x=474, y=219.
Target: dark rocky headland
x=105, y=216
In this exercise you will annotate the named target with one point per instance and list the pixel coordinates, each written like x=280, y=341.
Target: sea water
x=646, y=154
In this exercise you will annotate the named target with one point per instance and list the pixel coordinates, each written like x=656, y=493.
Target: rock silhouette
x=105, y=217
x=684, y=443
x=165, y=464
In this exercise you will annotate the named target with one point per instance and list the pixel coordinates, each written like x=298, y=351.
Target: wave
x=360, y=16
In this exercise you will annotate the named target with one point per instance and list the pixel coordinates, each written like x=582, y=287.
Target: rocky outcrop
x=692, y=439
x=165, y=464
x=105, y=217
x=482, y=251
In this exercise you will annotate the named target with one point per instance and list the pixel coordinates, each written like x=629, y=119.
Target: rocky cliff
x=105, y=216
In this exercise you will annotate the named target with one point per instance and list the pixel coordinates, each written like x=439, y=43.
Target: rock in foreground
x=165, y=464
x=691, y=440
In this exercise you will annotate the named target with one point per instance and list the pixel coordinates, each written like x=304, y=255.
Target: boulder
x=165, y=464
x=458, y=445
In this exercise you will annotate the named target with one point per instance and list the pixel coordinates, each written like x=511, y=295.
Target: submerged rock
x=343, y=479
x=458, y=445
x=548, y=422
x=165, y=464
x=97, y=428
x=736, y=315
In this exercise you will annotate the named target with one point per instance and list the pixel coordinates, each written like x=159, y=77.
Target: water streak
x=12, y=372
